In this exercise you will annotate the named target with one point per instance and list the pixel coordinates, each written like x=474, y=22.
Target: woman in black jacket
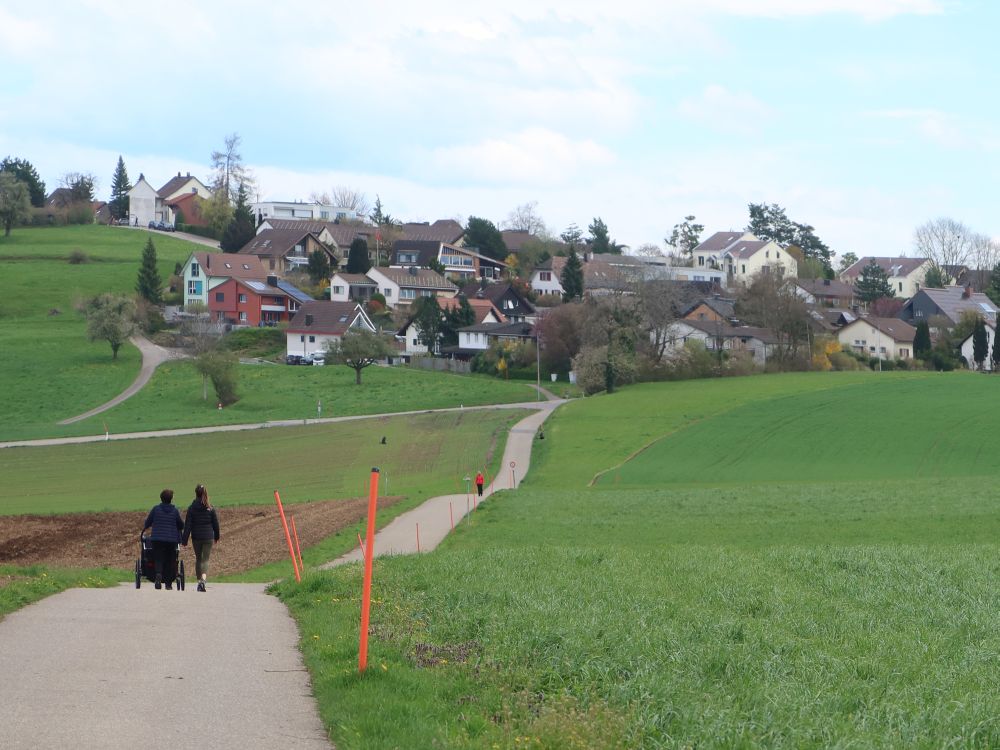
x=166, y=525
x=202, y=526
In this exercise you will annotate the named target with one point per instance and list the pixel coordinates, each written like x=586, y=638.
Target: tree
x=572, y=277
x=148, y=285
x=23, y=170
x=685, y=236
x=111, y=318
x=945, y=241
x=346, y=197
x=229, y=172
x=378, y=215
x=483, y=235
x=358, y=349
x=993, y=290
x=572, y=235
x=240, y=229
x=922, y=340
x=455, y=317
x=872, y=283
x=318, y=267
x=525, y=218
x=661, y=304
x=120, y=186
x=15, y=202
x=847, y=260
x=427, y=316
x=980, y=343
x=600, y=240
x=649, y=250
x=771, y=304
x=217, y=211
x=936, y=277
x=561, y=332
x=357, y=257
x=219, y=367
x=437, y=266
x=611, y=329
x=769, y=222
x=80, y=185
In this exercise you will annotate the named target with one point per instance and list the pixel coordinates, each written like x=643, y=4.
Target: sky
x=862, y=118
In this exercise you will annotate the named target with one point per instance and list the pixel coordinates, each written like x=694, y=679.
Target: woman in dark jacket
x=202, y=526
x=166, y=525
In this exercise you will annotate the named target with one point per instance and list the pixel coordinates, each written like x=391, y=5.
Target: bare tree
x=228, y=170
x=661, y=304
x=771, y=304
x=649, y=250
x=944, y=241
x=983, y=257
x=525, y=218
x=342, y=196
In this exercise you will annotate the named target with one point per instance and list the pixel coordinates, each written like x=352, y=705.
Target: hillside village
x=518, y=300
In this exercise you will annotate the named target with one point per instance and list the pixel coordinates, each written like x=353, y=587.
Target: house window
x=337, y=289
x=407, y=293
x=545, y=275
x=701, y=260
x=416, y=341
x=744, y=269
x=277, y=301
x=387, y=292
x=194, y=287
x=881, y=349
x=324, y=215
x=312, y=339
x=220, y=316
x=426, y=293
x=302, y=337
x=767, y=253
x=904, y=353
x=195, y=271
x=901, y=286
x=243, y=299
x=243, y=317
x=220, y=296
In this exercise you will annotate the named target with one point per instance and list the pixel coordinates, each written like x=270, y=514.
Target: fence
x=441, y=365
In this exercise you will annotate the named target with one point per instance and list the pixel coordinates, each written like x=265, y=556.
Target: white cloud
x=943, y=128
x=725, y=111
x=20, y=36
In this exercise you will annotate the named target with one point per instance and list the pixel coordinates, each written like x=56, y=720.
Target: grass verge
x=21, y=586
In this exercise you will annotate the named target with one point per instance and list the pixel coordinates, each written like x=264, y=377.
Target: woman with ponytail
x=202, y=526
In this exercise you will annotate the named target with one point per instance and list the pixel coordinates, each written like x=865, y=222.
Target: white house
x=203, y=271
x=302, y=211
x=402, y=286
x=409, y=335
x=321, y=324
x=905, y=275
x=147, y=204
x=478, y=338
x=741, y=256
x=885, y=338
x=969, y=355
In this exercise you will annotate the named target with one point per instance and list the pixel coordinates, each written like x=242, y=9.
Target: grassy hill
x=792, y=561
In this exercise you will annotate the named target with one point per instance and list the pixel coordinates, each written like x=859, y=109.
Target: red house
x=248, y=302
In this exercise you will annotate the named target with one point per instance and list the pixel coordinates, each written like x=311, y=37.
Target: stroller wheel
x=180, y=576
x=138, y=573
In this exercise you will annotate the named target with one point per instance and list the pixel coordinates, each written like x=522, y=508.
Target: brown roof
x=343, y=234
x=718, y=242
x=747, y=248
x=327, y=317
x=174, y=183
x=442, y=230
x=825, y=287
x=356, y=279
x=420, y=278
x=482, y=307
x=893, y=266
x=275, y=242
x=894, y=328
x=516, y=239
x=232, y=265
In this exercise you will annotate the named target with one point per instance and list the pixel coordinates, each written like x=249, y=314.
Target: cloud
x=942, y=128
x=531, y=156
x=870, y=10
x=725, y=111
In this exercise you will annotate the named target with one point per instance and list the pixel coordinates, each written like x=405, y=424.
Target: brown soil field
x=250, y=535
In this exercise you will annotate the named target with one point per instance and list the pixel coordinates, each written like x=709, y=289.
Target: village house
x=967, y=349
x=460, y=264
x=948, y=303
x=351, y=286
x=742, y=257
x=905, y=275
x=251, y=302
x=475, y=339
x=885, y=338
x=409, y=334
x=402, y=286
x=284, y=250
x=147, y=204
x=321, y=324
x=506, y=298
x=302, y=211
x=825, y=292
x=203, y=271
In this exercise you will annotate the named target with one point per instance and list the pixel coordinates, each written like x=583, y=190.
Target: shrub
x=843, y=361
x=77, y=256
x=256, y=342
x=200, y=231
x=79, y=213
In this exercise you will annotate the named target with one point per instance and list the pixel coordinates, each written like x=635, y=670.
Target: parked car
x=319, y=359
x=293, y=359
x=167, y=227
x=306, y=360
x=152, y=225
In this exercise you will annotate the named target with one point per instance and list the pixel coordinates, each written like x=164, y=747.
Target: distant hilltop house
x=884, y=338
x=742, y=256
x=948, y=303
x=284, y=250
x=460, y=263
x=905, y=275
x=603, y=273
x=147, y=204
x=302, y=211
x=828, y=292
x=203, y=271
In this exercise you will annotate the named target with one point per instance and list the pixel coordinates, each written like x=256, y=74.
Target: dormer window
x=195, y=270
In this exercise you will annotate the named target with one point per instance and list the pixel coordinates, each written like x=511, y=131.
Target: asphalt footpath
x=126, y=668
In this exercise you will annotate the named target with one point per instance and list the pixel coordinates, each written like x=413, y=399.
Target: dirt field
x=250, y=535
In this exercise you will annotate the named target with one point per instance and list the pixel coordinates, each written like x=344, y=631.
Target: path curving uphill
x=152, y=357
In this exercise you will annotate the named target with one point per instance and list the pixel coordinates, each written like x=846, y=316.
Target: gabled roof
x=825, y=287
x=721, y=241
x=276, y=242
x=331, y=318
x=442, y=230
x=748, y=248
x=952, y=301
x=481, y=307
x=516, y=239
x=718, y=329
x=176, y=183
x=355, y=279
x=893, y=266
x=496, y=292
x=426, y=250
x=896, y=329
x=418, y=278
x=232, y=265
x=521, y=330
x=725, y=308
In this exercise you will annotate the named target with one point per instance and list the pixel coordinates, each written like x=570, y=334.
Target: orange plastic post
x=366, y=591
x=298, y=548
x=288, y=538
x=418, y=538
x=361, y=544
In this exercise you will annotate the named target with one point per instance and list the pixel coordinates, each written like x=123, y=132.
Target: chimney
x=967, y=292
x=188, y=174
x=208, y=261
x=178, y=174
x=272, y=281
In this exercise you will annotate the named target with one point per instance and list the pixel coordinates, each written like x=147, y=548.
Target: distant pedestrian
x=479, y=483
x=165, y=525
x=202, y=526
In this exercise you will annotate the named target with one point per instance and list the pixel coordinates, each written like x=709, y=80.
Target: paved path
x=120, y=668
x=435, y=516
x=152, y=357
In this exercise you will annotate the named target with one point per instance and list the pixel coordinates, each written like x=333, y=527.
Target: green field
x=792, y=561
x=50, y=371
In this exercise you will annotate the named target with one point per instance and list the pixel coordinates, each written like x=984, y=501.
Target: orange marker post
x=288, y=538
x=366, y=591
x=298, y=549
x=361, y=544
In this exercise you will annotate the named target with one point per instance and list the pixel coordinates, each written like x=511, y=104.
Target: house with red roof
x=320, y=324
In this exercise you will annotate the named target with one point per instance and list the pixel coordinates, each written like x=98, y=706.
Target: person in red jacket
x=479, y=483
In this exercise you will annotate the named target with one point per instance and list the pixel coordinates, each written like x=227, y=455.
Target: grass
x=21, y=586
x=837, y=597
x=424, y=455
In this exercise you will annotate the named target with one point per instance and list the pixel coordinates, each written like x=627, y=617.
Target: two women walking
x=167, y=530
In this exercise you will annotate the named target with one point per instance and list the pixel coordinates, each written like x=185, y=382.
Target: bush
x=843, y=361
x=902, y=364
x=79, y=213
x=77, y=256
x=200, y=231
x=255, y=342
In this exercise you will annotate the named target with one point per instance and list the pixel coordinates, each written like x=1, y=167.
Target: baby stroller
x=145, y=567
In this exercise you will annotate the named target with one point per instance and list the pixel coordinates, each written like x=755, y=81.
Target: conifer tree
x=572, y=277
x=120, y=186
x=980, y=343
x=357, y=257
x=922, y=340
x=241, y=227
x=872, y=283
x=148, y=284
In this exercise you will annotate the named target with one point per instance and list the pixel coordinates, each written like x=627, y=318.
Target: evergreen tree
x=241, y=227
x=993, y=290
x=769, y=222
x=572, y=235
x=872, y=284
x=357, y=257
x=120, y=186
x=23, y=170
x=455, y=317
x=922, y=340
x=980, y=343
x=995, y=358
x=318, y=267
x=572, y=277
x=935, y=278
x=148, y=284
x=686, y=236
x=378, y=216
x=483, y=235
x=429, y=318
x=600, y=240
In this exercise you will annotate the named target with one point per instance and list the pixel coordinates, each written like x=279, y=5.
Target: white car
x=319, y=359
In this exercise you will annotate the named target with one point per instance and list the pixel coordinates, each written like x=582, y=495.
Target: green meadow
x=782, y=561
